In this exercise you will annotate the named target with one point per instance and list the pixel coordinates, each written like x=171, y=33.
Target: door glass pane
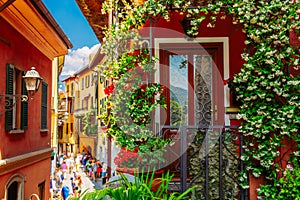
x=178, y=89
x=203, y=89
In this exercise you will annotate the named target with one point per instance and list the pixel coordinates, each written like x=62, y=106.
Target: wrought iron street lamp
x=32, y=80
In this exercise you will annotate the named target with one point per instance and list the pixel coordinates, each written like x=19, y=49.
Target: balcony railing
x=207, y=157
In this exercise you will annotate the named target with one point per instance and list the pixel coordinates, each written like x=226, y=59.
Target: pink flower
x=288, y=166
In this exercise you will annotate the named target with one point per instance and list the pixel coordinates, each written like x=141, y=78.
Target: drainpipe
x=6, y=4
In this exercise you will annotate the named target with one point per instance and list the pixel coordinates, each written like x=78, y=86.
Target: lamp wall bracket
x=12, y=99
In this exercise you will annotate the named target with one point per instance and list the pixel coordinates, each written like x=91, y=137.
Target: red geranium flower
x=109, y=90
x=128, y=159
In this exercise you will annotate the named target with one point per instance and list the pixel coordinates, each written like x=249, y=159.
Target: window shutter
x=24, y=108
x=9, y=101
x=44, y=106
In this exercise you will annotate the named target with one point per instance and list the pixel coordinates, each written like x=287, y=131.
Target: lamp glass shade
x=32, y=80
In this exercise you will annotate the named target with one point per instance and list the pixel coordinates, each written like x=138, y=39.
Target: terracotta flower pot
x=131, y=171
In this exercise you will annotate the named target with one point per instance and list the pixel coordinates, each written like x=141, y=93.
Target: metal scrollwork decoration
x=12, y=99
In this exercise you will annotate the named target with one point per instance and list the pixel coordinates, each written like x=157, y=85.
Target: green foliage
x=265, y=87
x=176, y=113
x=90, y=125
x=132, y=103
x=285, y=188
x=139, y=189
x=267, y=91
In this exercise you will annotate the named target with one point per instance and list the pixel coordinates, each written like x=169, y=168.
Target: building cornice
x=11, y=164
x=34, y=22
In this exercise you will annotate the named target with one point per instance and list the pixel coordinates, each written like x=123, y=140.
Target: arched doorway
x=14, y=188
x=12, y=193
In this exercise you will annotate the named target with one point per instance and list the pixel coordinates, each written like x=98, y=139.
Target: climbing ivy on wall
x=90, y=125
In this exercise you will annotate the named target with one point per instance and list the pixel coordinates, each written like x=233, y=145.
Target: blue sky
x=69, y=17
x=72, y=22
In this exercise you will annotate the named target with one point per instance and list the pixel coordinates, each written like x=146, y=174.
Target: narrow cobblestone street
x=87, y=184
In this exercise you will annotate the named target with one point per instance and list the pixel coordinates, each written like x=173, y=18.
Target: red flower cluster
x=109, y=90
x=128, y=159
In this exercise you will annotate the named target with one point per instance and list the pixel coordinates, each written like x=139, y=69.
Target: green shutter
x=44, y=106
x=8, y=101
x=24, y=108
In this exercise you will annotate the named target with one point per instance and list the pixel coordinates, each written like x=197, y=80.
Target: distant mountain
x=178, y=94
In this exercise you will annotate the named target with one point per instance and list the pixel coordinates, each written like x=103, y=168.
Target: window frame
x=44, y=106
x=16, y=111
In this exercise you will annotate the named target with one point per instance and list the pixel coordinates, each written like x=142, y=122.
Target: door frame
x=223, y=40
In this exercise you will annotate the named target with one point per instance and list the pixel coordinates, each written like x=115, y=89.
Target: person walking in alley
x=94, y=170
x=65, y=192
x=99, y=170
x=104, y=175
x=58, y=177
x=64, y=167
x=78, y=185
x=78, y=162
x=71, y=164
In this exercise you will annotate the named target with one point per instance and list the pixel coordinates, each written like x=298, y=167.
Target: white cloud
x=77, y=59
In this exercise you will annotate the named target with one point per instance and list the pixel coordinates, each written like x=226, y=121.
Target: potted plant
x=127, y=161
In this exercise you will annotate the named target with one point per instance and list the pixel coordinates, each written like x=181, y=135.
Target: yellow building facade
x=67, y=138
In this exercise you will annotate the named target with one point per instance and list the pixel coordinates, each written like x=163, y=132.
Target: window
x=193, y=78
x=92, y=102
x=82, y=83
x=67, y=128
x=60, y=132
x=44, y=106
x=81, y=125
x=87, y=81
x=178, y=74
x=93, y=79
x=16, y=115
x=71, y=107
x=42, y=190
x=106, y=83
x=72, y=89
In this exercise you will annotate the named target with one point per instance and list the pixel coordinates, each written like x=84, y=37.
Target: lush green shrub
x=139, y=189
x=286, y=188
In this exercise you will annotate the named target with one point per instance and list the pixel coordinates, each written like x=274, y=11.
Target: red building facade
x=222, y=45
x=29, y=37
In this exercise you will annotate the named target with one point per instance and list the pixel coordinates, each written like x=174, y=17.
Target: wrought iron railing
x=208, y=159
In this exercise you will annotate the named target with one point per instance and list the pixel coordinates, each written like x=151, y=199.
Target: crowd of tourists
x=70, y=168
